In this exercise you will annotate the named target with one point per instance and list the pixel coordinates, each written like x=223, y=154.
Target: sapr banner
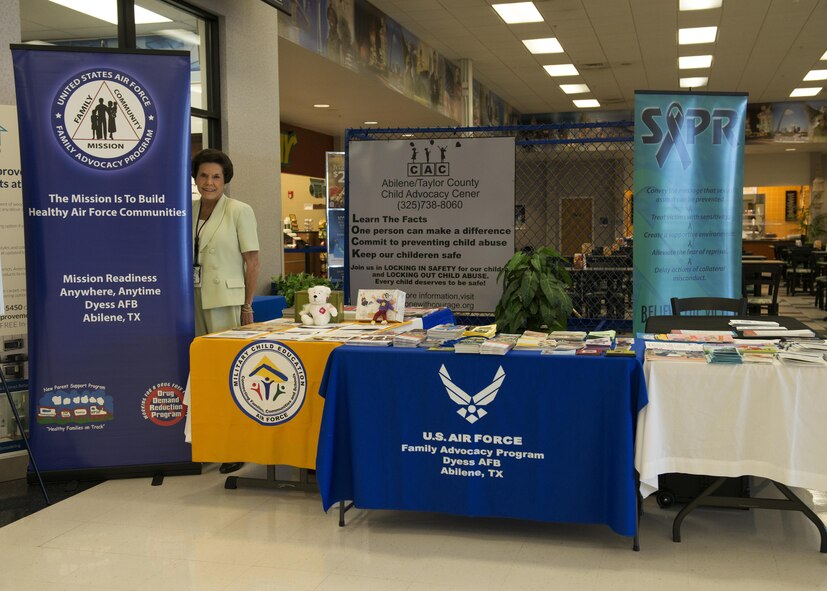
x=689, y=181
x=105, y=146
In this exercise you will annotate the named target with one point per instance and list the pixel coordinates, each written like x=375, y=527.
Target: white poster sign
x=13, y=321
x=433, y=218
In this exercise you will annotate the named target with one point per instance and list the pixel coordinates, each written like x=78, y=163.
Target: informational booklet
x=804, y=359
x=671, y=351
x=779, y=332
x=237, y=334
x=379, y=305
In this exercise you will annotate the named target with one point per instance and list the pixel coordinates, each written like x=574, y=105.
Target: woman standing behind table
x=225, y=252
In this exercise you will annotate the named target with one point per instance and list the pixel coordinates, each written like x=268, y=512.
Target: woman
x=225, y=248
x=225, y=252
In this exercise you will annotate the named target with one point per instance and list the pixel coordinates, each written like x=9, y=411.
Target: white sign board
x=13, y=319
x=433, y=218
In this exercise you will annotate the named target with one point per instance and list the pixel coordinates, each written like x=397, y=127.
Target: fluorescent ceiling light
x=816, y=75
x=805, y=91
x=789, y=149
x=699, y=4
x=697, y=35
x=107, y=10
x=548, y=45
x=187, y=37
x=690, y=62
x=694, y=82
x=321, y=105
x=574, y=88
x=562, y=70
x=518, y=12
x=371, y=122
x=586, y=104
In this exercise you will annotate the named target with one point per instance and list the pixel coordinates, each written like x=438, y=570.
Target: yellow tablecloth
x=222, y=432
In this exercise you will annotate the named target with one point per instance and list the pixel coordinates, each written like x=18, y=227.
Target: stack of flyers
x=663, y=351
x=562, y=349
x=621, y=351
x=805, y=359
x=484, y=330
x=469, y=344
x=815, y=346
x=624, y=341
x=601, y=334
x=568, y=336
x=372, y=340
x=601, y=343
x=722, y=354
x=499, y=345
x=699, y=336
x=532, y=340
x=410, y=339
x=446, y=331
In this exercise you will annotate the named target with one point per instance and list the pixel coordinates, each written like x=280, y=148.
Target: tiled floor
x=191, y=533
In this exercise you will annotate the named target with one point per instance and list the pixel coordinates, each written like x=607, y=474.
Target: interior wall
x=9, y=33
x=786, y=168
x=248, y=53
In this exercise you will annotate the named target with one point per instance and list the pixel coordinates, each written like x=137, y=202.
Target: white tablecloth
x=733, y=420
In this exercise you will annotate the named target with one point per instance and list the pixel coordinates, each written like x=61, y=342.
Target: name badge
x=196, y=275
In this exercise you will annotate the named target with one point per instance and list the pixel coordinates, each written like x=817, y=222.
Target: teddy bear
x=318, y=311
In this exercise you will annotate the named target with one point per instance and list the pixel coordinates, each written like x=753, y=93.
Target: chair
x=709, y=305
x=800, y=270
x=760, y=286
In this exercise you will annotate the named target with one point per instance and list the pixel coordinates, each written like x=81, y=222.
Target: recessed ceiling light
x=697, y=35
x=407, y=135
x=694, y=82
x=547, y=45
x=321, y=106
x=816, y=75
x=699, y=4
x=690, y=62
x=561, y=70
x=805, y=91
x=518, y=12
x=574, y=88
x=107, y=10
x=586, y=103
x=789, y=149
x=371, y=122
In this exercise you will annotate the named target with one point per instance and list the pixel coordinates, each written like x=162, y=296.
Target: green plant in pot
x=534, y=292
x=288, y=285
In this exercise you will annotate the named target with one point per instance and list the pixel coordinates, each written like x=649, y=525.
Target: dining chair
x=760, y=284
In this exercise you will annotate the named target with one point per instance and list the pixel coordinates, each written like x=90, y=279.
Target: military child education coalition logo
x=104, y=119
x=268, y=382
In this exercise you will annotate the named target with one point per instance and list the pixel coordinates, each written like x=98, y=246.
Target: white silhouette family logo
x=471, y=406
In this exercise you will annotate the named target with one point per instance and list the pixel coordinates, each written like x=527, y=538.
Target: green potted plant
x=288, y=285
x=534, y=292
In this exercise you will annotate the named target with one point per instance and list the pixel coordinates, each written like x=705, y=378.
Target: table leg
x=676, y=525
x=800, y=506
x=343, y=508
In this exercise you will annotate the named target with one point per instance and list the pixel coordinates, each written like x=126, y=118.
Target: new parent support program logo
x=268, y=382
x=104, y=119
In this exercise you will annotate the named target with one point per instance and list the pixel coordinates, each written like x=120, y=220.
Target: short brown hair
x=212, y=156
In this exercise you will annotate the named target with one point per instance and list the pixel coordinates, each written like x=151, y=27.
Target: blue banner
x=105, y=144
x=689, y=182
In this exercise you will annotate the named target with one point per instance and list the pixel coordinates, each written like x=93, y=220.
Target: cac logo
x=683, y=128
x=429, y=160
x=268, y=382
x=104, y=119
x=471, y=407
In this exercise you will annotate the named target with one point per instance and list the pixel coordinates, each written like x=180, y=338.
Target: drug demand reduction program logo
x=471, y=407
x=268, y=382
x=104, y=119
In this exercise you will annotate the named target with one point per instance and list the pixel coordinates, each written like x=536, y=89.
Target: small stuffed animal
x=318, y=311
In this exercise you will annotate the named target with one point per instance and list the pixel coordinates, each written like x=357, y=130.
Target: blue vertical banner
x=105, y=142
x=689, y=182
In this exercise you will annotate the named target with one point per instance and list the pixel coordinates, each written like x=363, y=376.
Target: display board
x=431, y=217
x=689, y=172
x=13, y=349
x=105, y=158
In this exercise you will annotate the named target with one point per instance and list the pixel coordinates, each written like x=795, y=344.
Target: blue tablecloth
x=268, y=307
x=544, y=438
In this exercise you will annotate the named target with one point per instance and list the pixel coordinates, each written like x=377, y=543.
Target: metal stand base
x=344, y=508
x=791, y=503
x=304, y=483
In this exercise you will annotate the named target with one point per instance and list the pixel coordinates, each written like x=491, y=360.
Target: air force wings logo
x=470, y=407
